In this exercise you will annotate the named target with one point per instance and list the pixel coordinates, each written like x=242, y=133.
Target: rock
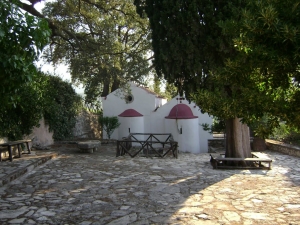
x=89, y=146
x=124, y=220
x=11, y=214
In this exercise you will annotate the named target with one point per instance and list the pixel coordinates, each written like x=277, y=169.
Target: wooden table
x=18, y=143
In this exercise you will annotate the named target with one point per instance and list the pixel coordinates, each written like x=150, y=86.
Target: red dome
x=130, y=113
x=181, y=111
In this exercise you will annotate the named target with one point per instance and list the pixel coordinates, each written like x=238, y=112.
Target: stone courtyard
x=98, y=188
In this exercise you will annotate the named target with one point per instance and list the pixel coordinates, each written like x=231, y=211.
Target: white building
x=142, y=111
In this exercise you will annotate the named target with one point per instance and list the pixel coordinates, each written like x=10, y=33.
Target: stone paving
x=98, y=188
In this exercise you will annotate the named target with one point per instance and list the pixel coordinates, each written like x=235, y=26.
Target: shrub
x=109, y=124
x=62, y=106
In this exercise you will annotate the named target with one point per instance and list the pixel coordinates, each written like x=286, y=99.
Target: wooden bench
x=220, y=162
x=9, y=146
x=258, y=155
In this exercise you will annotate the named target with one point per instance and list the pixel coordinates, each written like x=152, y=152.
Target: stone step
x=20, y=166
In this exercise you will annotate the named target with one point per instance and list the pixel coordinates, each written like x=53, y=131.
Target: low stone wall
x=216, y=144
x=283, y=148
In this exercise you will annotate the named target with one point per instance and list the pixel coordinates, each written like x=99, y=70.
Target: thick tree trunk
x=105, y=91
x=115, y=85
x=237, y=139
x=106, y=87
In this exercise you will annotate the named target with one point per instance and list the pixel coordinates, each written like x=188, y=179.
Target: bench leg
x=29, y=151
x=118, y=150
x=19, y=150
x=10, y=153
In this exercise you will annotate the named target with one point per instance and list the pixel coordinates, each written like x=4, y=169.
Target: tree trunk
x=237, y=139
x=105, y=91
x=115, y=85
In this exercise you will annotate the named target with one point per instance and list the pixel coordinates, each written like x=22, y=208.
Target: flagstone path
x=98, y=188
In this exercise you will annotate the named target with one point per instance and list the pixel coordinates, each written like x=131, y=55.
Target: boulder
x=89, y=146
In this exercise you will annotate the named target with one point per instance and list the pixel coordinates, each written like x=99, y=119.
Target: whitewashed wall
x=154, y=113
x=144, y=102
x=135, y=124
x=200, y=143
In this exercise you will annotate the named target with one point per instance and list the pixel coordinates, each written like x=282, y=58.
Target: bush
x=286, y=134
x=109, y=124
x=46, y=96
x=19, y=119
x=62, y=106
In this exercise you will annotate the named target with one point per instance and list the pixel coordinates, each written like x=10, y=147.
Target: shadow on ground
x=98, y=188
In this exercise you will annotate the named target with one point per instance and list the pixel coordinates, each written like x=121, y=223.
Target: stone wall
x=87, y=126
x=283, y=148
x=41, y=136
x=216, y=144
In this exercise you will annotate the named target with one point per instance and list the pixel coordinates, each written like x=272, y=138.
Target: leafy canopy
x=22, y=38
x=233, y=58
x=105, y=43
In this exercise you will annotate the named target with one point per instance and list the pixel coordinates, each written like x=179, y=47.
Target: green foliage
x=264, y=126
x=22, y=37
x=286, y=134
x=156, y=85
x=170, y=91
x=281, y=132
x=235, y=59
x=109, y=124
x=218, y=126
x=46, y=96
x=186, y=39
x=62, y=105
x=19, y=120
x=105, y=43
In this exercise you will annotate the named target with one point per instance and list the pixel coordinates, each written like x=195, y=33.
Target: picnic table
x=9, y=146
